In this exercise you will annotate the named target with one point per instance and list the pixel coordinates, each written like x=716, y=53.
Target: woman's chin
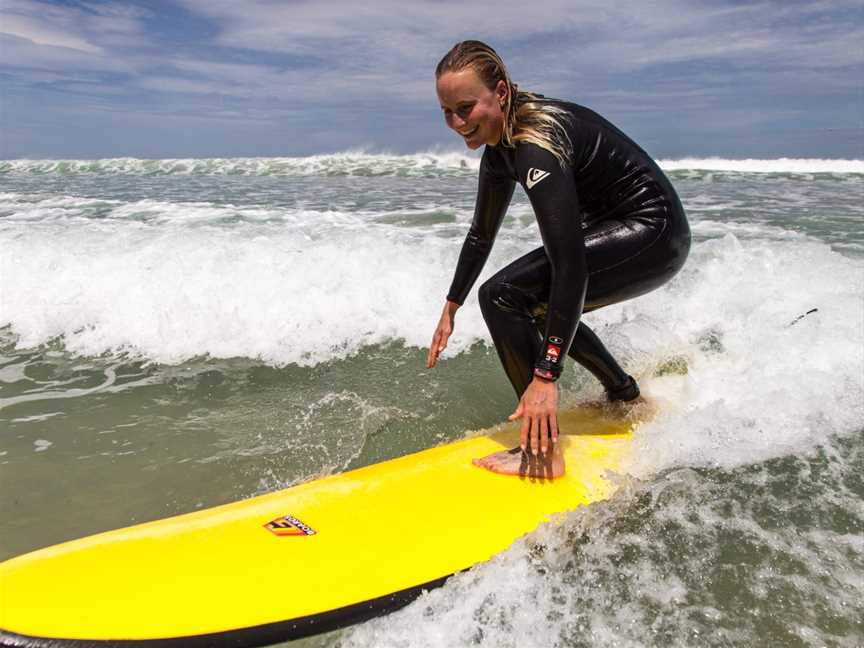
x=473, y=144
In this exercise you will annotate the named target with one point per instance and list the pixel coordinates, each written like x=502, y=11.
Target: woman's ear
x=501, y=93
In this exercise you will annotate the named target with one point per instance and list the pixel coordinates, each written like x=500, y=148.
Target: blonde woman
x=612, y=229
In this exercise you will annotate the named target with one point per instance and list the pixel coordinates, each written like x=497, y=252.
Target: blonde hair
x=526, y=117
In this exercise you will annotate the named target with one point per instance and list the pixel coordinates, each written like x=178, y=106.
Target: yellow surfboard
x=308, y=559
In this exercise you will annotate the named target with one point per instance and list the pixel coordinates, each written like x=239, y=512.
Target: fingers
x=535, y=429
x=538, y=432
x=544, y=435
x=432, y=356
x=543, y=432
x=430, y=362
x=538, y=409
x=439, y=343
x=523, y=434
x=554, y=423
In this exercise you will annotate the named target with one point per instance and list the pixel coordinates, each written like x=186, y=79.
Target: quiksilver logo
x=535, y=176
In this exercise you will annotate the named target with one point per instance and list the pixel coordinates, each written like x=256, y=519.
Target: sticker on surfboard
x=288, y=525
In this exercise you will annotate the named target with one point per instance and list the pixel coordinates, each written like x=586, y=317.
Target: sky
x=227, y=78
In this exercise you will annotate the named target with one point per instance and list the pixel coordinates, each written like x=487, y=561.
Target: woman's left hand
x=538, y=409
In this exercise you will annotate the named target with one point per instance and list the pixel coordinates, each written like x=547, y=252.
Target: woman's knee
x=497, y=296
x=488, y=295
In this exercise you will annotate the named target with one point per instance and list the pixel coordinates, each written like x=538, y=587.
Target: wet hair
x=527, y=118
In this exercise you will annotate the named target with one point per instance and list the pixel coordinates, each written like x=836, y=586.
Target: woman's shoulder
x=498, y=162
x=574, y=111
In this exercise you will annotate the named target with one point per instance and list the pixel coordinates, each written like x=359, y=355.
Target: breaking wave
x=354, y=163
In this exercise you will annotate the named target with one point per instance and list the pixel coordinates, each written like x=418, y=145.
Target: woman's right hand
x=442, y=333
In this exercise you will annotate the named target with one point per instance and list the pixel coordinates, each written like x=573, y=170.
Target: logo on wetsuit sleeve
x=553, y=352
x=534, y=176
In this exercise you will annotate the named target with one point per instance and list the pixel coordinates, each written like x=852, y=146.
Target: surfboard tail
x=263, y=635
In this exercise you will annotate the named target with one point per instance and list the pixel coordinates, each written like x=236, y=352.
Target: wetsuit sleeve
x=494, y=192
x=552, y=192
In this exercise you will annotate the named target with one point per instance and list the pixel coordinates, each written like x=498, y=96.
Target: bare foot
x=524, y=464
x=638, y=408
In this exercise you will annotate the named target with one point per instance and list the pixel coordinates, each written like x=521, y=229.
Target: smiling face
x=471, y=109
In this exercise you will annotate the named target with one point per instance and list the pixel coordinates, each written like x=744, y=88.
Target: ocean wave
x=20, y=208
x=338, y=164
x=794, y=166
x=690, y=558
x=280, y=294
x=749, y=464
x=424, y=164
x=299, y=295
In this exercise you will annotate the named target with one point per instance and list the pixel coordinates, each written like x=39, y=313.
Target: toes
x=494, y=466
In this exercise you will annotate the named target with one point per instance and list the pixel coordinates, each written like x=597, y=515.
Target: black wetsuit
x=612, y=229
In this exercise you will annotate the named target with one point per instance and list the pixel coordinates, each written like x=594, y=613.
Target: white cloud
x=24, y=54
x=388, y=49
x=89, y=28
x=619, y=35
x=42, y=32
x=263, y=59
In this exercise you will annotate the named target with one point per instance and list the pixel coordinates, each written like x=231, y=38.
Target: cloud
x=315, y=51
x=621, y=35
x=388, y=49
x=41, y=32
x=262, y=60
x=22, y=56
x=87, y=27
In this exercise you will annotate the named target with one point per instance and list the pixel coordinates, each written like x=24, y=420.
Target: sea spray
x=175, y=335
x=367, y=164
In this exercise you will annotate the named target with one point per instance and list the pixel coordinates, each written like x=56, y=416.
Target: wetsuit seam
x=591, y=157
x=635, y=254
x=603, y=234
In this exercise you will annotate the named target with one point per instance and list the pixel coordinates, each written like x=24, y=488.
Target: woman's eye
x=462, y=111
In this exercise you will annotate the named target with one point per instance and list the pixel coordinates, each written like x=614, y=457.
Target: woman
x=612, y=229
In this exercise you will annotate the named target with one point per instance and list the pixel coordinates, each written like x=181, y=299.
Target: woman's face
x=470, y=108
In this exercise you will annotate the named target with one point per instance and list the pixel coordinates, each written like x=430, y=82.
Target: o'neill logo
x=289, y=526
x=535, y=176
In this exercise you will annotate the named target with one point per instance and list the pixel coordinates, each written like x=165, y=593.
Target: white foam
x=756, y=386
x=365, y=164
x=665, y=562
x=348, y=163
x=36, y=417
x=306, y=287
x=318, y=286
x=743, y=230
x=778, y=165
x=305, y=294
x=40, y=445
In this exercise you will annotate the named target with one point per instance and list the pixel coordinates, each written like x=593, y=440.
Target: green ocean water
x=180, y=335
